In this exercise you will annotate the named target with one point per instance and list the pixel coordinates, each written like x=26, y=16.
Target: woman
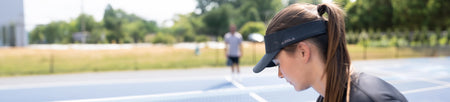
x=311, y=51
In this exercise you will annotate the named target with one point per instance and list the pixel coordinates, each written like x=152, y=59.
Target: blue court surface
x=419, y=79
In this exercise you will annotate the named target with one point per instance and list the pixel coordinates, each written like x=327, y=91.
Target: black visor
x=276, y=41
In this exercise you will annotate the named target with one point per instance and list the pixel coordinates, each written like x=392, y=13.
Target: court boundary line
x=239, y=89
x=242, y=87
x=109, y=81
x=132, y=97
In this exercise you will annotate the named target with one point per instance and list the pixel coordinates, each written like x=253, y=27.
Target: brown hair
x=332, y=45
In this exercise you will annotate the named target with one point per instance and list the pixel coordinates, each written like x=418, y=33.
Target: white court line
x=257, y=97
x=133, y=97
x=242, y=87
x=189, y=94
x=192, y=94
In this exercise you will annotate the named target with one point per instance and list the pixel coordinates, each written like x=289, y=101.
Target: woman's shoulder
x=366, y=87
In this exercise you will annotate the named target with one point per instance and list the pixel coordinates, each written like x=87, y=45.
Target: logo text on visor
x=280, y=39
x=287, y=40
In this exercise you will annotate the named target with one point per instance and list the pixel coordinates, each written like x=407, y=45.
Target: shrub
x=189, y=38
x=164, y=38
x=252, y=27
x=201, y=38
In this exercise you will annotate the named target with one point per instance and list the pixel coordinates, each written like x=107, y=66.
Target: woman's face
x=294, y=69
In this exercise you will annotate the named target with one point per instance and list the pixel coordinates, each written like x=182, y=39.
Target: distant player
x=233, y=49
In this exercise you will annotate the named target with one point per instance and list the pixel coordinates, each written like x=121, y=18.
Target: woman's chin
x=298, y=88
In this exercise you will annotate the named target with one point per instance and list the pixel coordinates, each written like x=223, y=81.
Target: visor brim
x=266, y=61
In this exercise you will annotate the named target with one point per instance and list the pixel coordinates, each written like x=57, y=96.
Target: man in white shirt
x=233, y=49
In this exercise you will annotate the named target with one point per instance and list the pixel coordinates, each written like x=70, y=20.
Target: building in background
x=12, y=23
x=80, y=37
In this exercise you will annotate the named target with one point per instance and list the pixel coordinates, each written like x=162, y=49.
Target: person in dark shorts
x=310, y=51
x=233, y=50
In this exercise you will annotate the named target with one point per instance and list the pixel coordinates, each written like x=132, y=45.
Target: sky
x=44, y=11
x=162, y=11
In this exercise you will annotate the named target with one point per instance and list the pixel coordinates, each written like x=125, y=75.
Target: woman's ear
x=304, y=51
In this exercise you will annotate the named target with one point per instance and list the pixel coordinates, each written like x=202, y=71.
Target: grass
x=25, y=61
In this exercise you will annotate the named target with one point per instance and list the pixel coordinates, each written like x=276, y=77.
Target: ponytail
x=337, y=57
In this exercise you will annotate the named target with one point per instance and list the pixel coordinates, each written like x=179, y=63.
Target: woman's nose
x=280, y=75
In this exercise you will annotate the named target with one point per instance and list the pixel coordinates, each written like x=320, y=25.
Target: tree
x=217, y=20
x=365, y=14
x=310, y=1
x=97, y=35
x=243, y=10
x=163, y=38
x=55, y=32
x=417, y=13
x=206, y=5
x=94, y=29
x=342, y=3
x=267, y=8
x=151, y=26
x=135, y=30
x=183, y=29
x=113, y=24
x=383, y=14
x=88, y=20
x=37, y=35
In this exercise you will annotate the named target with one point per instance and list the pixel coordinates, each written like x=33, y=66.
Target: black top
x=368, y=88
